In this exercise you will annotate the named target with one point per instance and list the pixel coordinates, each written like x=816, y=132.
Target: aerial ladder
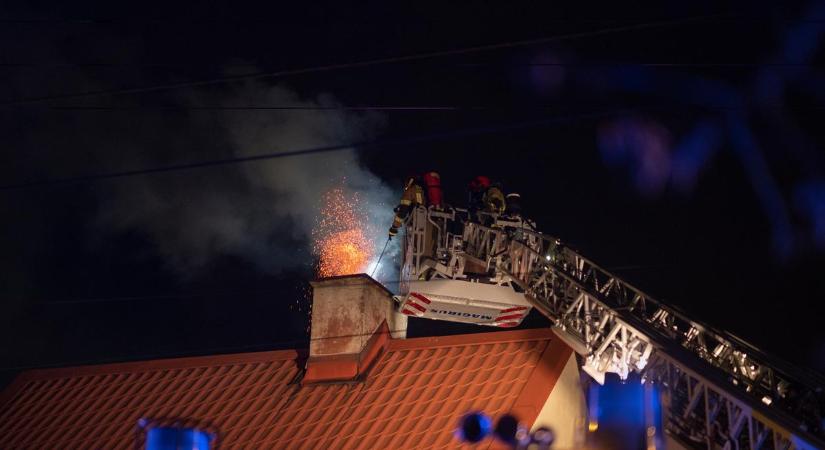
x=717, y=389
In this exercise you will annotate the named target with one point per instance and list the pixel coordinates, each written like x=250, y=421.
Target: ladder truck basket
x=437, y=282
x=465, y=301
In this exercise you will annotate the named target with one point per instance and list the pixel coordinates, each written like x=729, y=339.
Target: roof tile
x=412, y=397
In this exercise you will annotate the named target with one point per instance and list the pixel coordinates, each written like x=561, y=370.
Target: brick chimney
x=353, y=318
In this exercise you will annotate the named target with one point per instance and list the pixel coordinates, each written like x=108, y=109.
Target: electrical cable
x=302, y=152
x=257, y=20
x=733, y=65
x=655, y=267
x=372, y=62
x=76, y=301
x=401, y=108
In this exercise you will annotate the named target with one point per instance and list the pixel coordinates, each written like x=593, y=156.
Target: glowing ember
x=343, y=253
x=341, y=241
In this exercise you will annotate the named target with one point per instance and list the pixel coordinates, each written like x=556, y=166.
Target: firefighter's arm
x=401, y=212
x=396, y=224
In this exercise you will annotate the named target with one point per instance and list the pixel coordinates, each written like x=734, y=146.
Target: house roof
x=412, y=396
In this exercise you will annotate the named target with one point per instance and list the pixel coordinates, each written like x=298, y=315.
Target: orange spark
x=341, y=241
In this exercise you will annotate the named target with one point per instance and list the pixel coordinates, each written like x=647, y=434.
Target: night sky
x=680, y=146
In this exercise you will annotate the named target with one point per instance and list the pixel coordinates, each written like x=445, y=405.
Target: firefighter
x=513, y=203
x=432, y=180
x=494, y=202
x=513, y=213
x=476, y=189
x=413, y=196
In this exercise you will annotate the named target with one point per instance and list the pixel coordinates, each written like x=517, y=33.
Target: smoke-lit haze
x=262, y=211
x=265, y=210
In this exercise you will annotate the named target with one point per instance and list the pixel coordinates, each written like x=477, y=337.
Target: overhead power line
x=141, y=298
x=307, y=151
x=178, y=20
x=400, y=108
x=236, y=294
x=595, y=65
x=278, y=108
x=350, y=65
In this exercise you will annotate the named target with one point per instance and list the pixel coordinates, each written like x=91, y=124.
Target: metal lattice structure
x=719, y=391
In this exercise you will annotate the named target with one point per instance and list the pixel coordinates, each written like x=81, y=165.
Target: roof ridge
x=186, y=362
x=273, y=355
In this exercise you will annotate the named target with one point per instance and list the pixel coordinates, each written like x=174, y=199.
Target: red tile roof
x=412, y=396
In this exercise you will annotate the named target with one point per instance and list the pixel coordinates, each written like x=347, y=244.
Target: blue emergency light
x=175, y=434
x=474, y=427
x=172, y=438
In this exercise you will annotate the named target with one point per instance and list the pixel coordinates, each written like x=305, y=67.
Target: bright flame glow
x=342, y=237
x=372, y=267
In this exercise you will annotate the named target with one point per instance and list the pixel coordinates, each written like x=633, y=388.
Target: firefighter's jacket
x=494, y=200
x=413, y=196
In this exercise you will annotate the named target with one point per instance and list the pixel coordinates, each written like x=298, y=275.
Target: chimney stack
x=353, y=318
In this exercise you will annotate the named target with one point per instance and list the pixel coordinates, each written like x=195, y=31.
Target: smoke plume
x=263, y=211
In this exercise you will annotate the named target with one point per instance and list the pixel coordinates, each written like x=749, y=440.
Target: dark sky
x=679, y=145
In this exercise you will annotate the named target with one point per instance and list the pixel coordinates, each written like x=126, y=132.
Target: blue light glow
x=729, y=111
x=474, y=427
x=173, y=438
x=622, y=413
x=641, y=145
x=810, y=199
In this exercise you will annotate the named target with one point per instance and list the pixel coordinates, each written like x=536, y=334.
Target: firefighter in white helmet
x=513, y=207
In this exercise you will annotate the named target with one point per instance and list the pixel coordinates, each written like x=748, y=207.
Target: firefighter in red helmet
x=432, y=180
x=413, y=196
x=476, y=189
x=479, y=184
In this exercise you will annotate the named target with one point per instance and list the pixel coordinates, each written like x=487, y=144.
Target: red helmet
x=480, y=183
x=432, y=178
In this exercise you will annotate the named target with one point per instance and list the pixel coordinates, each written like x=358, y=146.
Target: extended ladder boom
x=719, y=388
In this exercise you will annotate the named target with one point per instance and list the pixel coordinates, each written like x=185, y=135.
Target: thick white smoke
x=263, y=211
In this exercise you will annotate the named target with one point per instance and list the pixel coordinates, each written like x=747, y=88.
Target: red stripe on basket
x=515, y=308
x=417, y=306
x=510, y=317
x=421, y=297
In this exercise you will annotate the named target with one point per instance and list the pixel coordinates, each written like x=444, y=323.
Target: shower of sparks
x=342, y=239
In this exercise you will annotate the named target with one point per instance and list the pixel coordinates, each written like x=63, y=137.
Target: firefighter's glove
x=393, y=232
